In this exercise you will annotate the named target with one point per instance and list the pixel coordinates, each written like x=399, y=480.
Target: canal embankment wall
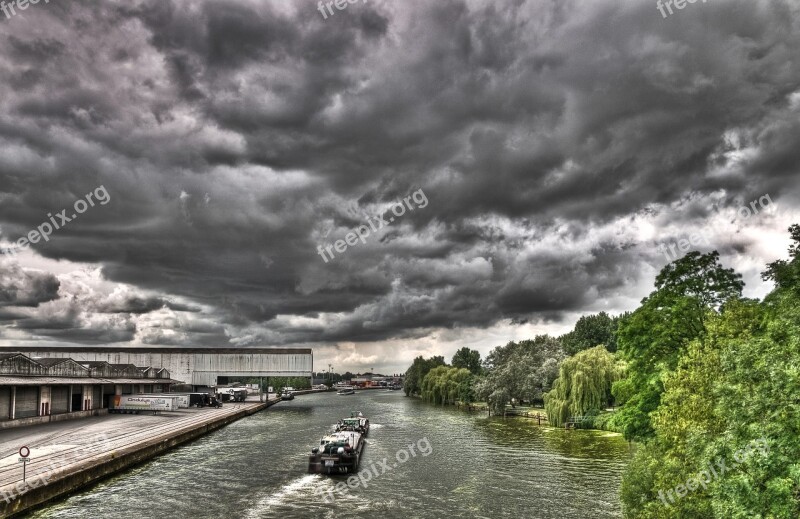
x=110, y=463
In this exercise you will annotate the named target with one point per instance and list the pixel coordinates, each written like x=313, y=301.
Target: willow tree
x=584, y=383
x=445, y=384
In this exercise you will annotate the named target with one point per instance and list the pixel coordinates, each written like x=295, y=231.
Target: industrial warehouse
x=199, y=367
x=39, y=385
x=34, y=389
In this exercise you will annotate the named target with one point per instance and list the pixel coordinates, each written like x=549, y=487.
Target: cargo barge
x=340, y=451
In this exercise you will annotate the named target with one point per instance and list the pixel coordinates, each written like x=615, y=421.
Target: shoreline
x=88, y=472
x=536, y=414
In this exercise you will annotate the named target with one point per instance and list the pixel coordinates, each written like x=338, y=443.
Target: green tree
x=444, y=384
x=652, y=338
x=520, y=370
x=583, y=385
x=412, y=385
x=591, y=331
x=469, y=359
x=688, y=414
x=735, y=385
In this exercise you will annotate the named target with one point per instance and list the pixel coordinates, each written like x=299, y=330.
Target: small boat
x=287, y=395
x=346, y=390
x=340, y=451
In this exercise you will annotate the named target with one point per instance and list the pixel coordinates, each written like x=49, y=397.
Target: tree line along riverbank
x=697, y=374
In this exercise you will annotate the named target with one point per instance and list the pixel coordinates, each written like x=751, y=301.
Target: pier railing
x=574, y=421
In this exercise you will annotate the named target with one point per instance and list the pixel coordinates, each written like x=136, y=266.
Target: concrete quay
x=66, y=456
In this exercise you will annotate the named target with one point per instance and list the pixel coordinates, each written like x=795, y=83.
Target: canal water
x=439, y=462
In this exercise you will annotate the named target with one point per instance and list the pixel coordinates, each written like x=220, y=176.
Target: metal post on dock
x=24, y=452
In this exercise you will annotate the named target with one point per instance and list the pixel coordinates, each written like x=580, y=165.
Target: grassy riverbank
x=601, y=421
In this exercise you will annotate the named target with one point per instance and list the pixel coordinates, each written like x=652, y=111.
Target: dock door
x=27, y=404
x=97, y=397
x=59, y=399
x=5, y=403
x=77, y=398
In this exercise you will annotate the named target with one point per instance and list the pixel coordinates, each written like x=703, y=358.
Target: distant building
x=370, y=380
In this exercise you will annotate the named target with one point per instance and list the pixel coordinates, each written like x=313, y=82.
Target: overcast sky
x=552, y=146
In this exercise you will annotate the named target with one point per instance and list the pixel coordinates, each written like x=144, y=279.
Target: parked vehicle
x=183, y=398
x=198, y=399
x=206, y=400
x=237, y=394
x=136, y=404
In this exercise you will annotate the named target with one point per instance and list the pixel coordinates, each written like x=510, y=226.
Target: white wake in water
x=280, y=497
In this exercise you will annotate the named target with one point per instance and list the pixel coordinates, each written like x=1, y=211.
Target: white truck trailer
x=183, y=398
x=136, y=404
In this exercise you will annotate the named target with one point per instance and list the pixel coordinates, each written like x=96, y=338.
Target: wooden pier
x=574, y=421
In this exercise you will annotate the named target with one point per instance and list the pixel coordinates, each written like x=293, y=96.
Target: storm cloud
x=558, y=143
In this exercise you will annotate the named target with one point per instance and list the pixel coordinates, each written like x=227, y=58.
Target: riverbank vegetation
x=698, y=372
x=710, y=373
x=523, y=372
x=583, y=386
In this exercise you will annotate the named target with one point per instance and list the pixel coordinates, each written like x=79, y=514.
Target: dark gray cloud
x=557, y=144
x=26, y=289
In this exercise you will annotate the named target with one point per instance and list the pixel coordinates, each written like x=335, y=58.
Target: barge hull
x=342, y=464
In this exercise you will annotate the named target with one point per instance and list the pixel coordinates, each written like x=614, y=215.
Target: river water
x=463, y=465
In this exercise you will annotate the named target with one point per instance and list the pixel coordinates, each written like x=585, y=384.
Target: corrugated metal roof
x=143, y=381
x=91, y=363
x=51, y=361
x=106, y=349
x=55, y=381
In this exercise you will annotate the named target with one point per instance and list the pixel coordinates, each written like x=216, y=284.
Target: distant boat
x=346, y=390
x=287, y=395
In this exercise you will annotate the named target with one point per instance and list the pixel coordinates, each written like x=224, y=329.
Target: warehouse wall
x=201, y=368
